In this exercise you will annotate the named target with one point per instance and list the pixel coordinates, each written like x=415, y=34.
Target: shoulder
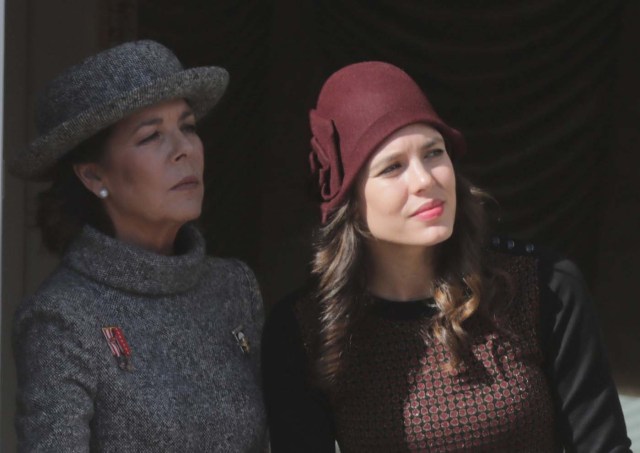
x=227, y=267
x=64, y=296
x=233, y=286
x=58, y=317
x=230, y=272
x=562, y=288
x=284, y=310
x=510, y=246
x=555, y=269
x=293, y=305
x=283, y=319
x=514, y=261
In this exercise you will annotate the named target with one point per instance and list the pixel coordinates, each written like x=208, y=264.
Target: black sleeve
x=299, y=415
x=587, y=406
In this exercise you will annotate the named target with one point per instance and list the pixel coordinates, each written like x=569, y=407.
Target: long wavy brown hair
x=465, y=283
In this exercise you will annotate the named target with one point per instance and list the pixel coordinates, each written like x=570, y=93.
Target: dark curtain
x=527, y=82
x=234, y=35
x=543, y=91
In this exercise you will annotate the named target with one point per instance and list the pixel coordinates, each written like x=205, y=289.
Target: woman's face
x=407, y=191
x=153, y=168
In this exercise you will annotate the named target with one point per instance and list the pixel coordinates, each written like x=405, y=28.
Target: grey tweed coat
x=190, y=386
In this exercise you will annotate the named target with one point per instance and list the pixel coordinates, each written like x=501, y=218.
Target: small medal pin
x=241, y=339
x=119, y=347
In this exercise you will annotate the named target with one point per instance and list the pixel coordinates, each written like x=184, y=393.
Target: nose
x=419, y=176
x=182, y=146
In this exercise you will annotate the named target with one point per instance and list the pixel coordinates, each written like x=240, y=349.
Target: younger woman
x=413, y=334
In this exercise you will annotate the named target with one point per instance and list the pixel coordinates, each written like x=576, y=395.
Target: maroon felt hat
x=359, y=106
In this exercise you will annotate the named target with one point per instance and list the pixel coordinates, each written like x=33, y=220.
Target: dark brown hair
x=67, y=205
x=464, y=284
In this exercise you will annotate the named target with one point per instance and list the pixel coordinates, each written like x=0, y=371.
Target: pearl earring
x=103, y=193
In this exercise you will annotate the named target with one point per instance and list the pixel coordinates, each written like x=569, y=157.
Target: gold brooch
x=241, y=339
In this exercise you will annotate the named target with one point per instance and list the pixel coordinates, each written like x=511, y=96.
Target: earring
x=103, y=193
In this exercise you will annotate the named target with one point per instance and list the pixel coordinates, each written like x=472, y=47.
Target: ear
x=90, y=176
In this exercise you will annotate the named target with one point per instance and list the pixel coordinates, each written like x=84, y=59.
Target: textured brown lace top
x=395, y=396
x=539, y=384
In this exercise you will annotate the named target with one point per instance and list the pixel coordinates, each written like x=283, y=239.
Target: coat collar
x=129, y=268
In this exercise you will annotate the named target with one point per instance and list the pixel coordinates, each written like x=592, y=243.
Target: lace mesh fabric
x=394, y=396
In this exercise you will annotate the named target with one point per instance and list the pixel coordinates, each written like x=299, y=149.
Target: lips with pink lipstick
x=430, y=210
x=187, y=183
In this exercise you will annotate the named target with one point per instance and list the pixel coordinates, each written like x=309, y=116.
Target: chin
x=185, y=214
x=193, y=216
x=435, y=235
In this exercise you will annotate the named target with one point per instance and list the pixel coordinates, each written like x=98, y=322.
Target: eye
x=149, y=138
x=433, y=153
x=389, y=169
x=189, y=128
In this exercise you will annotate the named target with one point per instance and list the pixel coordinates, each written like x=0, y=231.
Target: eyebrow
x=153, y=121
x=393, y=156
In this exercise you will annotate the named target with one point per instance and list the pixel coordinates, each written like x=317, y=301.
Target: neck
x=160, y=240
x=398, y=272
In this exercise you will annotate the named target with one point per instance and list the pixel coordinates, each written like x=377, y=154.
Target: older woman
x=137, y=341
x=413, y=335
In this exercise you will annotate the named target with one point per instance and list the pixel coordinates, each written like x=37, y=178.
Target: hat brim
x=202, y=88
x=378, y=132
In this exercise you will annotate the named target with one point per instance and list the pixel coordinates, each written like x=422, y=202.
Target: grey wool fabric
x=190, y=388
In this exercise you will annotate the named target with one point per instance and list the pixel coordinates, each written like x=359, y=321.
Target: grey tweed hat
x=107, y=87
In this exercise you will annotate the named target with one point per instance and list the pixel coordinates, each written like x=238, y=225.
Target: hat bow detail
x=324, y=158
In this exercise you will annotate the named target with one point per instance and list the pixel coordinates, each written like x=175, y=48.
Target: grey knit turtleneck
x=191, y=387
